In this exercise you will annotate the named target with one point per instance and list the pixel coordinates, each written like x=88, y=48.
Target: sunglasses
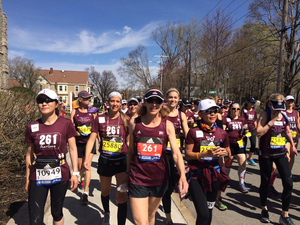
x=42, y=100
x=156, y=100
x=86, y=99
x=124, y=104
x=210, y=111
x=235, y=109
x=135, y=104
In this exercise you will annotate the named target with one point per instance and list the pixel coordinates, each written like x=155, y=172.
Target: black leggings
x=201, y=198
x=284, y=170
x=166, y=200
x=252, y=141
x=37, y=198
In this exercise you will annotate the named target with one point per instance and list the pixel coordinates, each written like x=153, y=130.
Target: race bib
x=205, y=145
x=277, y=142
x=48, y=175
x=112, y=145
x=248, y=134
x=149, y=149
x=294, y=134
x=241, y=143
x=169, y=145
x=84, y=130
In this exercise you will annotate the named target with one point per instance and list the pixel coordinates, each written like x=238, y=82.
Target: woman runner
x=83, y=119
x=133, y=105
x=273, y=129
x=113, y=130
x=46, y=165
x=250, y=115
x=179, y=121
x=204, y=145
x=147, y=166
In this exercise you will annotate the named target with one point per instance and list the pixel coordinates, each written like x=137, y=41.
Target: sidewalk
x=75, y=213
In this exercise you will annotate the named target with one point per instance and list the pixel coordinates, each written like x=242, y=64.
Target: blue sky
x=75, y=34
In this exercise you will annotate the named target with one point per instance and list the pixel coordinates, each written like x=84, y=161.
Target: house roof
x=13, y=83
x=63, y=76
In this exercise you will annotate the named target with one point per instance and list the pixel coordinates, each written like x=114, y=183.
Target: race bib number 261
x=149, y=149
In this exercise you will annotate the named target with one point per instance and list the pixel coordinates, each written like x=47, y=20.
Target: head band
x=114, y=93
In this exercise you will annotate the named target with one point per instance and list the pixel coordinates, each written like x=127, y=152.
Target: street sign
x=212, y=92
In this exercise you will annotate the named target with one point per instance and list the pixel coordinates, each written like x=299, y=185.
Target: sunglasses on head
x=42, y=100
x=210, y=111
x=235, y=109
x=156, y=100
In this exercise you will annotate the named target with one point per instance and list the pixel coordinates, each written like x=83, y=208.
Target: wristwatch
x=76, y=174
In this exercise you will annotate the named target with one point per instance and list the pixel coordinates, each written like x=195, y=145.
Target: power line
x=241, y=49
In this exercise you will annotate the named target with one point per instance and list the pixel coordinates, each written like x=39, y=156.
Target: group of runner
x=141, y=144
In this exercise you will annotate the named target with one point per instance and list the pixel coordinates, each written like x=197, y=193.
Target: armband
x=76, y=174
x=197, y=156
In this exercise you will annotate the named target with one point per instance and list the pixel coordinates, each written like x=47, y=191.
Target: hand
x=183, y=185
x=74, y=182
x=87, y=165
x=27, y=185
x=288, y=156
x=213, y=152
x=295, y=150
x=223, y=152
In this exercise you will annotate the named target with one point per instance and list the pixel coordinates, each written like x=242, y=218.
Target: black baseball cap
x=186, y=102
x=251, y=100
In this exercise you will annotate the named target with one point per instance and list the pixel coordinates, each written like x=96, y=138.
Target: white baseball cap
x=289, y=97
x=49, y=93
x=207, y=104
x=124, y=102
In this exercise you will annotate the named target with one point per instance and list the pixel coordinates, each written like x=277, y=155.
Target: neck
x=113, y=114
x=290, y=108
x=172, y=109
x=249, y=107
x=83, y=107
x=49, y=119
x=149, y=118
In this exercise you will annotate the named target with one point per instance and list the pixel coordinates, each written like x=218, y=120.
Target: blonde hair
x=124, y=119
x=171, y=90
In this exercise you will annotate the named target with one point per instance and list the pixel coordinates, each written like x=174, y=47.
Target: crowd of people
x=153, y=145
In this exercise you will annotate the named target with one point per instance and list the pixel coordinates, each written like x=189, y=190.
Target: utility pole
x=161, y=68
x=190, y=66
x=281, y=48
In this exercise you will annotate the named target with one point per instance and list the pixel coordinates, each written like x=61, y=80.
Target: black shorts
x=139, y=191
x=109, y=167
x=235, y=149
x=81, y=149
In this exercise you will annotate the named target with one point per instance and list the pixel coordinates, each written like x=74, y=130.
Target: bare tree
x=24, y=71
x=104, y=84
x=270, y=13
x=135, y=68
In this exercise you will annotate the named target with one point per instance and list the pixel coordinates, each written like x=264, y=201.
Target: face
x=219, y=101
x=222, y=110
x=124, y=106
x=85, y=101
x=192, y=105
x=153, y=105
x=185, y=107
x=290, y=103
x=173, y=99
x=46, y=105
x=114, y=103
x=132, y=106
x=235, y=109
x=209, y=116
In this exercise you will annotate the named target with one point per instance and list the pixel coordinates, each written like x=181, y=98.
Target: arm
x=289, y=135
x=88, y=150
x=298, y=123
x=183, y=185
x=262, y=127
x=184, y=124
x=130, y=148
x=74, y=160
x=72, y=116
x=28, y=160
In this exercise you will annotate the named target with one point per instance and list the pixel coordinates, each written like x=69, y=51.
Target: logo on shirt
x=160, y=133
x=34, y=128
x=139, y=132
x=150, y=141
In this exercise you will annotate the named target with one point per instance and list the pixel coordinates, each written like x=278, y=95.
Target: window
x=88, y=90
x=60, y=99
x=60, y=87
x=41, y=87
x=76, y=88
x=65, y=87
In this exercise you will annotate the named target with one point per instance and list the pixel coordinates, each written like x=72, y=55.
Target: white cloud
x=85, y=42
x=13, y=54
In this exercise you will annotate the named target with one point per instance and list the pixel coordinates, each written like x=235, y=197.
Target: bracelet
x=75, y=174
x=270, y=124
x=197, y=156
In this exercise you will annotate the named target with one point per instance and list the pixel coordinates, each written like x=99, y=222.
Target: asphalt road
x=245, y=209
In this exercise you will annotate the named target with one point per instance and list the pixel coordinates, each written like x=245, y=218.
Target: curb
x=186, y=214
